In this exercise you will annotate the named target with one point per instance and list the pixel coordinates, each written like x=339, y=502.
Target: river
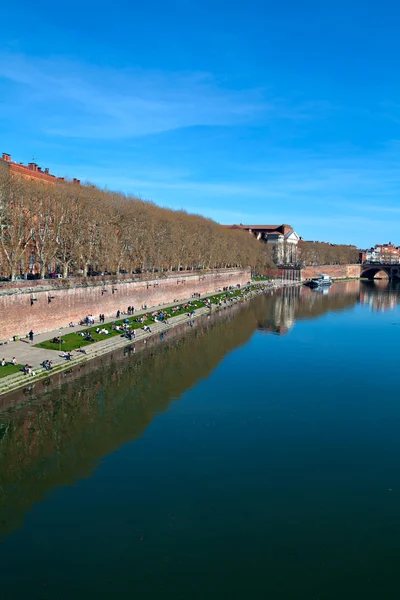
x=255, y=455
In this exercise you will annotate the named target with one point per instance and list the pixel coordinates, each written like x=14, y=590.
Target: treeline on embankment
x=81, y=229
x=324, y=253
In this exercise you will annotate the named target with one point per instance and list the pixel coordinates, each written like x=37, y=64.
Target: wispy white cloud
x=76, y=100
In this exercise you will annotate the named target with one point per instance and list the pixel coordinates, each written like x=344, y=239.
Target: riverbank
x=47, y=305
x=35, y=354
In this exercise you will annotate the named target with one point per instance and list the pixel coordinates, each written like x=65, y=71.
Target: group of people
x=4, y=363
x=88, y=320
x=27, y=370
x=47, y=364
x=102, y=331
x=87, y=336
x=129, y=311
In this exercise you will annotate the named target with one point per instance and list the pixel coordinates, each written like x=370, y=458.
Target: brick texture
x=334, y=271
x=72, y=301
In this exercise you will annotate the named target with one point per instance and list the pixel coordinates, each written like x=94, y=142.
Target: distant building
x=31, y=170
x=381, y=253
x=283, y=238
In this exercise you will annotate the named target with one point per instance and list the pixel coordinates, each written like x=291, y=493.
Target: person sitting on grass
x=14, y=361
x=3, y=362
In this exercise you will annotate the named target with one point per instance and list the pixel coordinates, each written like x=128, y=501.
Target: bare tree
x=16, y=230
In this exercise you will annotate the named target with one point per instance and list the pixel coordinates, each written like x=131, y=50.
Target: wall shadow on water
x=56, y=434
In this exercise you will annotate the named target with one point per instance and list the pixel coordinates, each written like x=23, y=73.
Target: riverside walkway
x=26, y=352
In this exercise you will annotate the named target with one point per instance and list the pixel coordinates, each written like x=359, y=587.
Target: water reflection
x=58, y=432
x=293, y=303
x=380, y=295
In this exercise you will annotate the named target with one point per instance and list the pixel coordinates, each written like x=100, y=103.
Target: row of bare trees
x=322, y=253
x=83, y=229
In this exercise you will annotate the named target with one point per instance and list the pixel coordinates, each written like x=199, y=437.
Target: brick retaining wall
x=334, y=271
x=72, y=301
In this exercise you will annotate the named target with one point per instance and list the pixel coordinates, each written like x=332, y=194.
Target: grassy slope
x=9, y=370
x=72, y=341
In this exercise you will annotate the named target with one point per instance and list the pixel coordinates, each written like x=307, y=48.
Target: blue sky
x=253, y=111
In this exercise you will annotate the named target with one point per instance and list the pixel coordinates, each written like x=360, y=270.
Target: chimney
x=46, y=171
x=78, y=181
x=32, y=166
x=6, y=157
x=39, y=169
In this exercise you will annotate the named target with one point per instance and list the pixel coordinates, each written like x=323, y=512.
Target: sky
x=252, y=112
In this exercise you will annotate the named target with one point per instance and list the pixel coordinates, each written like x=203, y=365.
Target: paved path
x=25, y=351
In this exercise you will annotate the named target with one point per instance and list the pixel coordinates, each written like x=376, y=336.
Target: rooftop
x=32, y=170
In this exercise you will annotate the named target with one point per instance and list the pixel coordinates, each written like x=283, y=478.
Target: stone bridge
x=370, y=270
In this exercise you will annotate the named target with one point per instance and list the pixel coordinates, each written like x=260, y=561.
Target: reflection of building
x=379, y=296
x=300, y=302
x=283, y=238
x=282, y=313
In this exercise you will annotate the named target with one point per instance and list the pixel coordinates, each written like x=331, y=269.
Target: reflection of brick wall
x=334, y=271
x=71, y=303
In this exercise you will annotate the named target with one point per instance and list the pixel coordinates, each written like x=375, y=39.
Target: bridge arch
x=377, y=271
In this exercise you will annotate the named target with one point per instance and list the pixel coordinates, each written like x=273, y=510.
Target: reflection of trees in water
x=60, y=435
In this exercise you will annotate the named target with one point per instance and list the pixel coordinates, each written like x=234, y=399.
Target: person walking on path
x=30, y=334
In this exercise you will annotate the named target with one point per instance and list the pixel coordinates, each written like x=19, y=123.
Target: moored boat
x=321, y=281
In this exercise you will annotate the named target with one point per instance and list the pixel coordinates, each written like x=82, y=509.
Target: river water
x=257, y=455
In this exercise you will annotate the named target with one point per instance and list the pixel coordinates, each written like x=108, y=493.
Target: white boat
x=321, y=280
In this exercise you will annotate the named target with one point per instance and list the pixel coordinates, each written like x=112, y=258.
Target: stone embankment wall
x=45, y=306
x=334, y=271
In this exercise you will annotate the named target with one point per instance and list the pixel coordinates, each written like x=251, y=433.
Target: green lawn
x=10, y=370
x=72, y=341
